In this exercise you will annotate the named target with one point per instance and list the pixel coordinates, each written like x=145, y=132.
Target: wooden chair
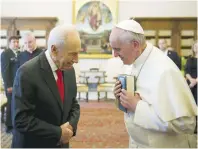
x=82, y=86
x=104, y=86
x=81, y=82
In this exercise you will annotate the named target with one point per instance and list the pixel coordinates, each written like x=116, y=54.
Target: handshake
x=67, y=133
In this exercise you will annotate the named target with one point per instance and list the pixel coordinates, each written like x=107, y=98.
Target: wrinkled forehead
x=29, y=38
x=73, y=42
x=14, y=40
x=114, y=36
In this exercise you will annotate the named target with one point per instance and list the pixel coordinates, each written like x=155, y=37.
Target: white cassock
x=165, y=117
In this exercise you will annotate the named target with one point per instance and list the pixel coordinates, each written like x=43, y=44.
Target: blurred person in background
x=191, y=72
x=9, y=66
x=30, y=48
x=162, y=43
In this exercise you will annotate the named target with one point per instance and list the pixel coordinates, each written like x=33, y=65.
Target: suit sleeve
x=178, y=60
x=188, y=67
x=74, y=113
x=23, y=110
x=5, y=69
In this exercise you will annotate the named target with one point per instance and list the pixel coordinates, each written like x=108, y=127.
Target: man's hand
x=117, y=89
x=193, y=82
x=67, y=133
x=9, y=90
x=128, y=100
x=70, y=127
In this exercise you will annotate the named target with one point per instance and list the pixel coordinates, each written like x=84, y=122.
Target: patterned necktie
x=60, y=83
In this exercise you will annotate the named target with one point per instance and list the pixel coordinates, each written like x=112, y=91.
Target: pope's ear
x=136, y=44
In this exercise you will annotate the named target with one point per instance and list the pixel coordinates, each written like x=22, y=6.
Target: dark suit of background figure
x=9, y=66
x=191, y=68
x=175, y=58
x=26, y=56
x=38, y=111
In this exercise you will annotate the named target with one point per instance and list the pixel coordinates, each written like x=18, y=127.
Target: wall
x=127, y=8
x=157, y=8
x=38, y=8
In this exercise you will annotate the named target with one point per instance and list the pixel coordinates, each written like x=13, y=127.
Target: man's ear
x=54, y=50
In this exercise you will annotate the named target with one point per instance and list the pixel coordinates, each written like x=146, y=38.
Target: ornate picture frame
x=94, y=20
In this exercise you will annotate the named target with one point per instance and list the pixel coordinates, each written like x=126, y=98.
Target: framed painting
x=94, y=20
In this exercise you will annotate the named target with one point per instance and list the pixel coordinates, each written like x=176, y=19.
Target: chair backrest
x=94, y=69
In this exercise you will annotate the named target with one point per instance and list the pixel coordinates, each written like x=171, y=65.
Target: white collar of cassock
x=142, y=58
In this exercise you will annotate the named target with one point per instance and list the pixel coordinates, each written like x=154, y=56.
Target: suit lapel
x=170, y=54
x=11, y=53
x=66, y=80
x=49, y=78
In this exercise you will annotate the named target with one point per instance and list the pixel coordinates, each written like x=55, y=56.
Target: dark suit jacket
x=9, y=66
x=26, y=56
x=37, y=110
x=175, y=58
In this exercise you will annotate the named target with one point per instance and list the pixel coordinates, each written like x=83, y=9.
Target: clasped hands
x=67, y=133
x=127, y=99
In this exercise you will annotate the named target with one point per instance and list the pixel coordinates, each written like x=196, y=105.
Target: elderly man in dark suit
x=30, y=47
x=45, y=111
x=9, y=65
x=162, y=43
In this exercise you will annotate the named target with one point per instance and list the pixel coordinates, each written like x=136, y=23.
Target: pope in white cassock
x=162, y=112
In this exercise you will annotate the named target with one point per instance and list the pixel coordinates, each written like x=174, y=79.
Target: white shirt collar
x=14, y=51
x=51, y=62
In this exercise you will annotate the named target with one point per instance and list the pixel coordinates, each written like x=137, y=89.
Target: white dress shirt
x=52, y=64
x=165, y=117
x=15, y=52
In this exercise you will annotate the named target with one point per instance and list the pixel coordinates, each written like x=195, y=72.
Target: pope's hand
x=117, y=89
x=128, y=100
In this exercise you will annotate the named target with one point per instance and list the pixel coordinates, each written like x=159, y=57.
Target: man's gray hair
x=128, y=36
x=26, y=34
x=58, y=36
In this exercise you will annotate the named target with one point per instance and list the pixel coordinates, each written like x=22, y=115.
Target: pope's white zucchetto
x=131, y=25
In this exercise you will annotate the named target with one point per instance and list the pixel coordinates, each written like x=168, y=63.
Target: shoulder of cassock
x=172, y=97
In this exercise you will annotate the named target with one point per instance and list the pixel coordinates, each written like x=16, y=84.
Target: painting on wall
x=94, y=21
